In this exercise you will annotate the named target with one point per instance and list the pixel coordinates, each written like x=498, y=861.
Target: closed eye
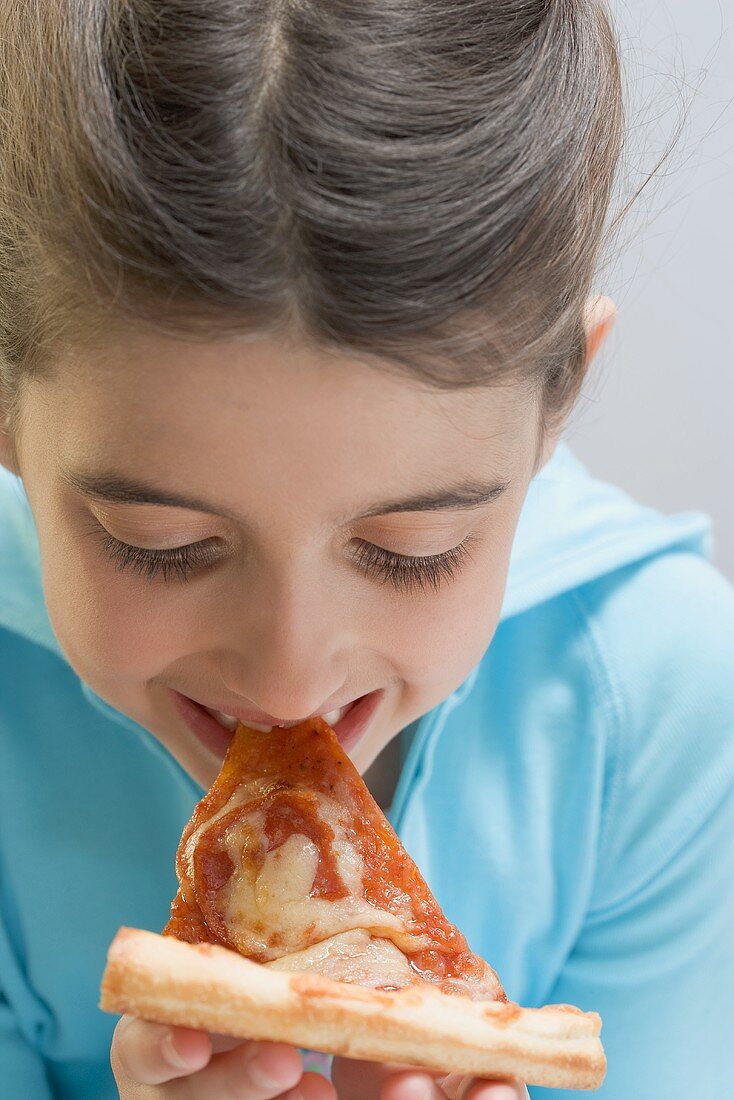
x=405, y=572
x=178, y=561
x=410, y=573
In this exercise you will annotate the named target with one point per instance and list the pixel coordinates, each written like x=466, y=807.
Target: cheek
x=441, y=636
x=110, y=625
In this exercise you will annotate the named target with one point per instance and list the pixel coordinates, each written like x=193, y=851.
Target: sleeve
x=655, y=953
x=22, y=1070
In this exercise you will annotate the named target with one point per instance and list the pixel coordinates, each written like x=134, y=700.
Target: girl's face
x=306, y=493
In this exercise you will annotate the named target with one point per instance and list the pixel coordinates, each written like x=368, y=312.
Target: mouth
x=214, y=729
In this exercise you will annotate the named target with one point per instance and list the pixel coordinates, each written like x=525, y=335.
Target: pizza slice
x=300, y=917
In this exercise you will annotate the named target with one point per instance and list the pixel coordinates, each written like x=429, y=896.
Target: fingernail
x=174, y=1057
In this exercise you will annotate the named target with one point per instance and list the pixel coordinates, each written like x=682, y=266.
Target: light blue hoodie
x=571, y=804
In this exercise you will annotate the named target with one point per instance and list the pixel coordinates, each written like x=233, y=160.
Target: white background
x=657, y=414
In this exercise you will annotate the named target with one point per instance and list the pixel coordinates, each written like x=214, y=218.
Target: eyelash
x=403, y=571
x=414, y=573
x=180, y=560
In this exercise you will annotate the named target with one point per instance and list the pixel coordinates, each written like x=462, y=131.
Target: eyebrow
x=113, y=488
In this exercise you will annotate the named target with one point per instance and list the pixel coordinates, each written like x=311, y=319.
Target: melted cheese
x=244, y=793
x=267, y=903
x=354, y=957
x=362, y=959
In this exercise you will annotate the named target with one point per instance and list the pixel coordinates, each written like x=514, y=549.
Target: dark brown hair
x=422, y=183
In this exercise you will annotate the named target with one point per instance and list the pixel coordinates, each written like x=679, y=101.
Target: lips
x=216, y=737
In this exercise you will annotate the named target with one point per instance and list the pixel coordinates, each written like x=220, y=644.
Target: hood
x=573, y=528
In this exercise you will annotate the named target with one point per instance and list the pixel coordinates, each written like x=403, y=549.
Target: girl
x=294, y=303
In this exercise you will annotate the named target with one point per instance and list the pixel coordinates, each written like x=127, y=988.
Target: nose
x=290, y=650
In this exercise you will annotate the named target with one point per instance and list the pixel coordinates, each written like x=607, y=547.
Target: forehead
x=258, y=412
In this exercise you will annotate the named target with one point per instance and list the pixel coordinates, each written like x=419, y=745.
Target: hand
x=356, y=1080
x=156, y=1062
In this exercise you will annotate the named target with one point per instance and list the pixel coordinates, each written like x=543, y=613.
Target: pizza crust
x=211, y=988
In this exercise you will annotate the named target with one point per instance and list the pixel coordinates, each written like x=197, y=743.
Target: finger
x=312, y=1086
x=145, y=1053
x=421, y=1086
x=252, y=1071
x=411, y=1085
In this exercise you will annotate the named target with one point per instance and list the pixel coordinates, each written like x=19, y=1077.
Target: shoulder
x=666, y=626
x=617, y=699
x=649, y=646
x=671, y=614
x=663, y=631
x=641, y=658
